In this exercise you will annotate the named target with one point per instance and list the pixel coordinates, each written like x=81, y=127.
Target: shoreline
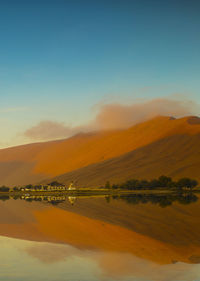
x=82, y=192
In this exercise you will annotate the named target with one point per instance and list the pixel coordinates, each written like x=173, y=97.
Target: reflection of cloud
x=50, y=253
x=115, y=116
x=115, y=265
x=121, y=266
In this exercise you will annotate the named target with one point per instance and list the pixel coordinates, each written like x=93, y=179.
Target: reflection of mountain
x=162, y=235
x=159, y=146
x=163, y=200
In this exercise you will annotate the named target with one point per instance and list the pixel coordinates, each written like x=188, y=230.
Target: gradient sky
x=60, y=58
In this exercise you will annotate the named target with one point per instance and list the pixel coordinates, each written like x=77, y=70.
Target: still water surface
x=140, y=238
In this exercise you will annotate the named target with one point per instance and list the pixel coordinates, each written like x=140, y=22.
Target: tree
x=55, y=183
x=4, y=188
x=194, y=183
x=131, y=184
x=28, y=186
x=164, y=181
x=107, y=186
x=39, y=187
x=144, y=184
x=154, y=184
x=187, y=182
x=115, y=186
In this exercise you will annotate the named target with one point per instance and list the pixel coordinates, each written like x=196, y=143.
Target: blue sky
x=60, y=58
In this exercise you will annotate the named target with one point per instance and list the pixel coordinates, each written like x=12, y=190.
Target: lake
x=110, y=238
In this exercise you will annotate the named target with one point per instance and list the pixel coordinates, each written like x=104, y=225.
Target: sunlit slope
x=85, y=149
x=150, y=145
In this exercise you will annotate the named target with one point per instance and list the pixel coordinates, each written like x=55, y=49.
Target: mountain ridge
x=39, y=161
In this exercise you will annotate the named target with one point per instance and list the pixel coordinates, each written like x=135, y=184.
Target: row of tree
x=161, y=182
x=39, y=187
x=30, y=186
x=4, y=188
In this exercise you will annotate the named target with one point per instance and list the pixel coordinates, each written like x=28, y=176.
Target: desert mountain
x=162, y=145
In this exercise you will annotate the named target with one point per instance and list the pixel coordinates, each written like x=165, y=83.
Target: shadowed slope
x=17, y=164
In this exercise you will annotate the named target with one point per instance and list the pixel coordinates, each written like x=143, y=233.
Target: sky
x=61, y=61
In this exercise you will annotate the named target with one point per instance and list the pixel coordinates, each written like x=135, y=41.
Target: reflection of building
x=55, y=198
x=43, y=198
x=72, y=199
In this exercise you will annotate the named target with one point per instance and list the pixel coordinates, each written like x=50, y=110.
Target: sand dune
x=162, y=145
x=175, y=156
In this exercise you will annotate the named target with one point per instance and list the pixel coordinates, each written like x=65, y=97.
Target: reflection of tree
x=188, y=198
x=108, y=199
x=163, y=200
x=29, y=199
x=4, y=197
x=54, y=202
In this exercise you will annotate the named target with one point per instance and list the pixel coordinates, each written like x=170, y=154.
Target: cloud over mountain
x=46, y=130
x=115, y=116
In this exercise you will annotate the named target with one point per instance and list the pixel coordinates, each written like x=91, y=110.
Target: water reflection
x=27, y=260
x=163, y=200
x=139, y=237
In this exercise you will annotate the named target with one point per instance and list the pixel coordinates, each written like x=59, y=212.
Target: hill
x=175, y=156
x=162, y=145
